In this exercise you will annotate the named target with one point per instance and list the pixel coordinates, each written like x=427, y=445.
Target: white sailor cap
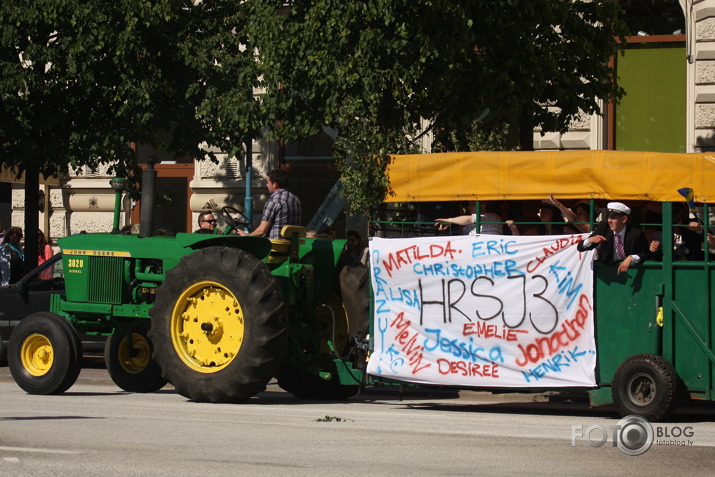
x=619, y=208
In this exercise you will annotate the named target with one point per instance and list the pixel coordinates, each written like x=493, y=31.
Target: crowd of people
x=12, y=255
x=616, y=239
x=547, y=217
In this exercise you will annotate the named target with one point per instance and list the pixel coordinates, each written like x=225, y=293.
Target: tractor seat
x=281, y=247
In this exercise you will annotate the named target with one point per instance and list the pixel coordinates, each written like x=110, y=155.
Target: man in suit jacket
x=615, y=240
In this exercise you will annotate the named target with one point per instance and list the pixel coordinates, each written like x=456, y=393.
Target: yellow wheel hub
x=207, y=327
x=37, y=355
x=134, y=360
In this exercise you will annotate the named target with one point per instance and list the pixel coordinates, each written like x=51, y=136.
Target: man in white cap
x=615, y=240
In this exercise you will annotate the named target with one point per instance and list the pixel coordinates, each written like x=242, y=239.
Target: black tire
x=219, y=325
x=3, y=352
x=355, y=292
x=355, y=301
x=44, y=354
x=132, y=369
x=304, y=385
x=333, y=320
x=646, y=385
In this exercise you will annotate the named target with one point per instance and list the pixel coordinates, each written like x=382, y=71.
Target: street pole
x=248, y=200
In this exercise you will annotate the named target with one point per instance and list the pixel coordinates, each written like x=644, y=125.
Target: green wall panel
x=651, y=117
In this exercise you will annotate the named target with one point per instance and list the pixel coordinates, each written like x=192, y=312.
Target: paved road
x=97, y=429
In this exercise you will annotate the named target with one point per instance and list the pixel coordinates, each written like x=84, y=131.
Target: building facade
x=668, y=71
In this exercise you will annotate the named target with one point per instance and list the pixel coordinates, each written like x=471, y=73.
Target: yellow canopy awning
x=612, y=175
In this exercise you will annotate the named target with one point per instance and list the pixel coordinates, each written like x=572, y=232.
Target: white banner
x=484, y=310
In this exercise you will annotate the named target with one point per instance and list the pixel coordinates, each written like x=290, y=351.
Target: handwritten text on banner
x=485, y=310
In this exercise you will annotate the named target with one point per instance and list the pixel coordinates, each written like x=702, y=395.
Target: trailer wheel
x=132, y=368
x=219, y=325
x=304, y=385
x=646, y=385
x=44, y=354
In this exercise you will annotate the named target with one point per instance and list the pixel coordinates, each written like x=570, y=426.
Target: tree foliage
x=474, y=138
x=395, y=63
x=81, y=80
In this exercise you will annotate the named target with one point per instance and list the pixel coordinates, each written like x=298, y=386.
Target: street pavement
x=95, y=429
x=94, y=373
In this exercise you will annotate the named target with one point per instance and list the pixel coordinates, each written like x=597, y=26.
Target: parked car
x=32, y=294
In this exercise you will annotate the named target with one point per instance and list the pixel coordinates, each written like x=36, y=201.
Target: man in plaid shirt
x=282, y=207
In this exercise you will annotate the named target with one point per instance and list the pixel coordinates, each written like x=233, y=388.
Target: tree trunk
x=32, y=219
x=526, y=130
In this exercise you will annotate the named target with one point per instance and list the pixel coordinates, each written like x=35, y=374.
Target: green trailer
x=654, y=325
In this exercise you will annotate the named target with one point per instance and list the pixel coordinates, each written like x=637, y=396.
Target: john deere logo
x=97, y=253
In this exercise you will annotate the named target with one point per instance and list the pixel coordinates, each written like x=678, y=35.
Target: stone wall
x=701, y=75
x=584, y=133
x=216, y=185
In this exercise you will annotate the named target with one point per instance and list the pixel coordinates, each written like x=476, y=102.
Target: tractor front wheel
x=219, y=325
x=129, y=363
x=44, y=354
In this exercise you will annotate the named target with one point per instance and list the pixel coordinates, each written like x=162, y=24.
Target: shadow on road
x=554, y=404
x=430, y=398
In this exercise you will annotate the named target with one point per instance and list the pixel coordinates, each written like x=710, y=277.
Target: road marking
x=39, y=451
x=11, y=459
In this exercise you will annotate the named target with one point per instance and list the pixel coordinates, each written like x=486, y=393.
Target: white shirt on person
x=486, y=228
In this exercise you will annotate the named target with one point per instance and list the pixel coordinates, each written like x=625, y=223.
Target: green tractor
x=217, y=316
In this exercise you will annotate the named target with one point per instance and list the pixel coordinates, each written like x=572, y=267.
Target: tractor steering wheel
x=231, y=216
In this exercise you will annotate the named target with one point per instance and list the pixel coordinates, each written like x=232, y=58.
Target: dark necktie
x=619, y=248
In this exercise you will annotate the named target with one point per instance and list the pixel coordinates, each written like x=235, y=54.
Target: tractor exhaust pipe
x=146, y=218
x=118, y=185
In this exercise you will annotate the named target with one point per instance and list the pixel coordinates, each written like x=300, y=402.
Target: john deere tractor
x=217, y=316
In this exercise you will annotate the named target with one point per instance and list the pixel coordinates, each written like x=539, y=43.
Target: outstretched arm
x=441, y=224
x=263, y=228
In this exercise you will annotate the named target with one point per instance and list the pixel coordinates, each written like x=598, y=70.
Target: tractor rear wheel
x=129, y=363
x=44, y=354
x=219, y=325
